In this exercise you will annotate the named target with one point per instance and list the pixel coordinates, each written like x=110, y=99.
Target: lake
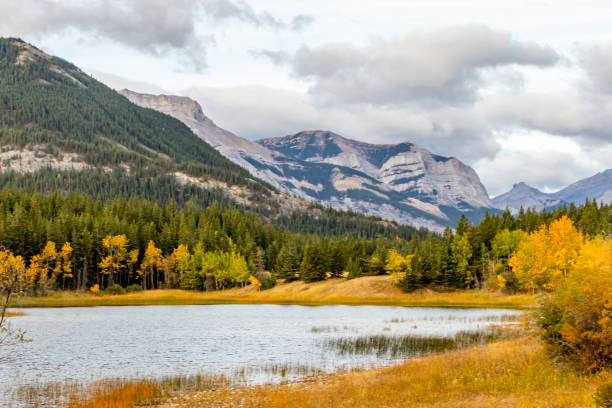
x=93, y=343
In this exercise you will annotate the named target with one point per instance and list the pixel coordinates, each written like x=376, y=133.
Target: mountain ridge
x=337, y=174
x=597, y=187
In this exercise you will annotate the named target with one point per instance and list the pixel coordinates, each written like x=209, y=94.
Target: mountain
x=405, y=167
x=239, y=150
x=62, y=131
x=402, y=182
x=526, y=196
x=598, y=187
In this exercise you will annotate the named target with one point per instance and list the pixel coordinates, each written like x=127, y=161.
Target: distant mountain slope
x=526, y=196
x=61, y=130
x=598, y=187
x=397, y=182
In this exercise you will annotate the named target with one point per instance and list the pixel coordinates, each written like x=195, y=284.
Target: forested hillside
x=63, y=131
x=180, y=247
x=50, y=108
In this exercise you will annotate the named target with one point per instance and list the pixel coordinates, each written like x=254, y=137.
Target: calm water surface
x=93, y=343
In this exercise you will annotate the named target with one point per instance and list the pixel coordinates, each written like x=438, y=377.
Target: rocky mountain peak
x=169, y=104
x=402, y=167
x=401, y=182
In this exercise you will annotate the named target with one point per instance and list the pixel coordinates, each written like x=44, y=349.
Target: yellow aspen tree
x=63, y=265
x=397, y=264
x=116, y=252
x=12, y=283
x=181, y=257
x=42, y=270
x=152, y=262
x=34, y=271
x=583, y=304
x=239, y=268
x=131, y=261
x=544, y=258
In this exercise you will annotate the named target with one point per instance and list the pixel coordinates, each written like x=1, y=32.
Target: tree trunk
x=84, y=277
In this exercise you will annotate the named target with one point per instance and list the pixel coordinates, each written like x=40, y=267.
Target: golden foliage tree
x=181, y=257
x=63, y=264
x=577, y=319
x=152, y=262
x=545, y=257
x=114, y=261
x=397, y=263
x=42, y=271
x=12, y=282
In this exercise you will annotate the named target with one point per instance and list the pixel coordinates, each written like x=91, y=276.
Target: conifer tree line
x=75, y=242
x=506, y=251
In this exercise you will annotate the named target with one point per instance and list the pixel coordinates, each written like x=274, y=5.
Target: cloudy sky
x=520, y=90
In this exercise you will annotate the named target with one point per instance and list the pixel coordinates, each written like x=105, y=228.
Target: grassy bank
x=513, y=373
x=371, y=290
x=12, y=313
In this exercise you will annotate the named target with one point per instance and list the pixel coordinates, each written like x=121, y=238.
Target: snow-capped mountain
x=598, y=187
x=402, y=182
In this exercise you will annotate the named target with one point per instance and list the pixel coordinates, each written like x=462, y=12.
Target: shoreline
x=370, y=290
x=514, y=372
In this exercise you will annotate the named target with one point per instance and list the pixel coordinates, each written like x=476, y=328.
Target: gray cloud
x=277, y=57
x=597, y=62
x=301, y=21
x=151, y=26
x=576, y=114
x=267, y=112
x=438, y=67
x=225, y=9
x=547, y=170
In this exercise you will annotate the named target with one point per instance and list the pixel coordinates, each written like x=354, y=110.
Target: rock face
x=399, y=182
x=404, y=167
x=258, y=160
x=598, y=187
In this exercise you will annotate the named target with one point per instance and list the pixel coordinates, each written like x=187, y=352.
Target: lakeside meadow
x=368, y=290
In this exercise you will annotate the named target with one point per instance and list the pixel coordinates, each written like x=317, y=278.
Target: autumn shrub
x=603, y=396
x=268, y=283
x=576, y=319
x=114, y=290
x=133, y=288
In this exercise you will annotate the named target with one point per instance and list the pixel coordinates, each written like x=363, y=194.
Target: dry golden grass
x=123, y=396
x=12, y=313
x=513, y=373
x=370, y=290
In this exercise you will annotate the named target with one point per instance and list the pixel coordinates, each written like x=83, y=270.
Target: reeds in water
x=410, y=345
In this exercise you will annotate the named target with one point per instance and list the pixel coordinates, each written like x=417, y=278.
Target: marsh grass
x=284, y=371
x=114, y=392
x=333, y=329
x=395, y=346
x=506, y=318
